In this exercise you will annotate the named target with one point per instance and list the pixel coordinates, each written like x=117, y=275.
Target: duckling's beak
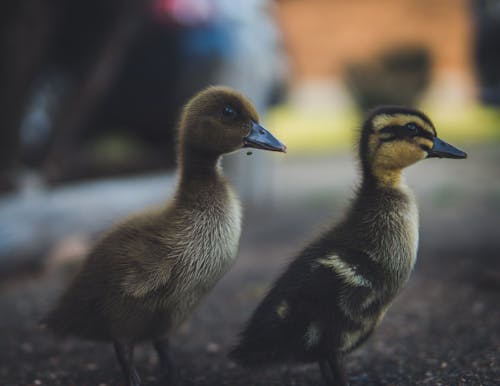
x=441, y=149
x=260, y=138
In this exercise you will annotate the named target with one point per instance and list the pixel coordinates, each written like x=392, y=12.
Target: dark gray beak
x=260, y=138
x=441, y=149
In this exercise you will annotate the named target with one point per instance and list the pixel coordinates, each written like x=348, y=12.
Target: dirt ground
x=444, y=328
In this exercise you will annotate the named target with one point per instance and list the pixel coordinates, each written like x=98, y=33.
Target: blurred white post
x=256, y=64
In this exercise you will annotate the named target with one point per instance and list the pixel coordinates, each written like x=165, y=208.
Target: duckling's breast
x=397, y=243
x=205, y=248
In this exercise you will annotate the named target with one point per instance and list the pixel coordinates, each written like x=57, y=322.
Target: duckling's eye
x=412, y=129
x=229, y=112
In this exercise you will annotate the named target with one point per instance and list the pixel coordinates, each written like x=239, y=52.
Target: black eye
x=229, y=112
x=412, y=128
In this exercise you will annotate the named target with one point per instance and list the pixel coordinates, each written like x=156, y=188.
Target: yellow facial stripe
x=392, y=157
x=398, y=155
x=424, y=142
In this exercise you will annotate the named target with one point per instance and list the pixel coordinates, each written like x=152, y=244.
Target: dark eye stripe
x=388, y=139
x=390, y=129
x=400, y=132
x=425, y=134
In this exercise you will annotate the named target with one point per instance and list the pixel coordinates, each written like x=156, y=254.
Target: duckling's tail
x=56, y=322
x=249, y=356
x=261, y=349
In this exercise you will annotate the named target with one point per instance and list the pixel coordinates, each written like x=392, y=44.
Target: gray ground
x=444, y=329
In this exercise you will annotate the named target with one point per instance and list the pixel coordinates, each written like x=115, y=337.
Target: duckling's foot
x=125, y=355
x=169, y=376
x=332, y=371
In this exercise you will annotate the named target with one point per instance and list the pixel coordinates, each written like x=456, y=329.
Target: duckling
x=337, y=290
x=147, y=274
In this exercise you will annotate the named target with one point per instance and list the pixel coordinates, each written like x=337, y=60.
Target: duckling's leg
x=332, y=371
x=125, y=354
x=169, y=373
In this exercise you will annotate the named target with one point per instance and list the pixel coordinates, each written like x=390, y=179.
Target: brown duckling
x=147, y=274
x=337, y=290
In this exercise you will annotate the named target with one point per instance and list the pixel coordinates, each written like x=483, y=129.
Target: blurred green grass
x=311, y=131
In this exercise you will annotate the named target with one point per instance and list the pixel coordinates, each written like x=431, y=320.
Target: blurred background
x=90, y=93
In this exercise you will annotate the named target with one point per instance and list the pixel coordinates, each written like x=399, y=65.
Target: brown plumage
x=337, y=290
x=147, y=274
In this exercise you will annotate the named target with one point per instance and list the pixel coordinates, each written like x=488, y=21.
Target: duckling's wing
x=308, y=308
x=283, y=327
x=360, y=279
x=132, y=259
x=142, y=264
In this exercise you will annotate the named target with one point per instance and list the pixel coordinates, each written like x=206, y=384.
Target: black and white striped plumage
x=337, y=290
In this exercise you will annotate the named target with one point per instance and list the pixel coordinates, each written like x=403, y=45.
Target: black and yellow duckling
x=336, y=292
x=147, y=274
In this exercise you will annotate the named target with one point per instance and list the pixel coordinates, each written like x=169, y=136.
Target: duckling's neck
x=388, y=178
x=383, y=177
x=384, y=202
x=198, y=170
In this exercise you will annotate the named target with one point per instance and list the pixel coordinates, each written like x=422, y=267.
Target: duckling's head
x=220, y=120
x=393, y=138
